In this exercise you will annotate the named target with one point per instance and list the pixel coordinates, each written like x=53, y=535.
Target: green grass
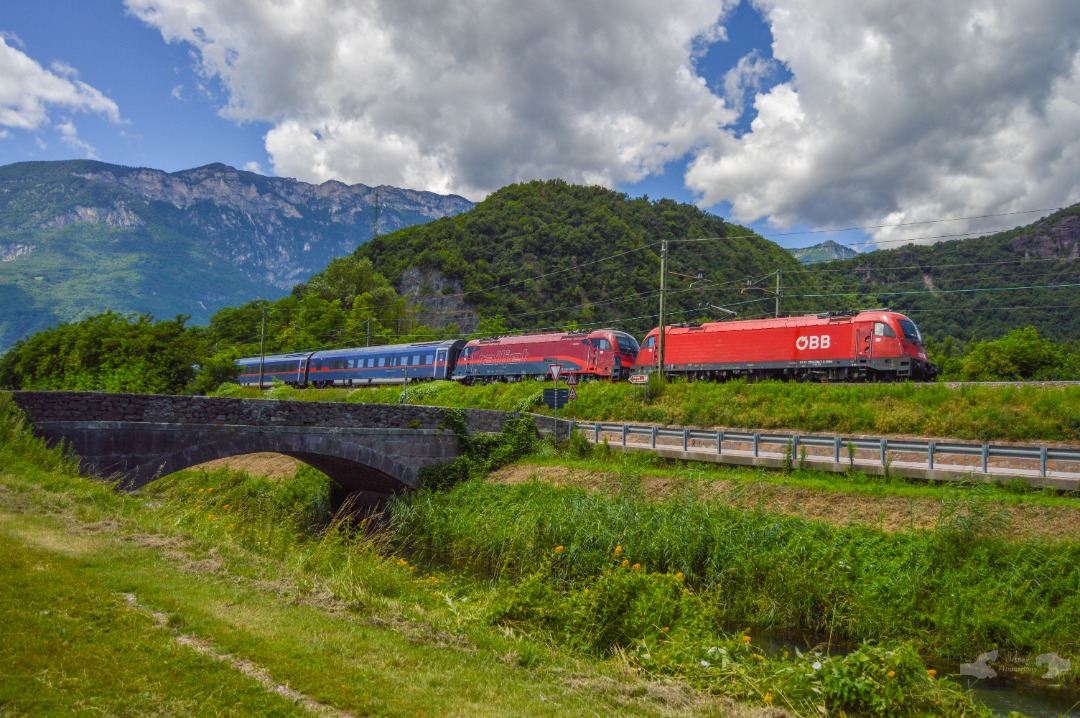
x=997, y=413
x=617, y=464
x=251, y=569
x=953, y=593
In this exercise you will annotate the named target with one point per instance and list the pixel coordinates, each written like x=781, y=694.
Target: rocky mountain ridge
x=80, y=237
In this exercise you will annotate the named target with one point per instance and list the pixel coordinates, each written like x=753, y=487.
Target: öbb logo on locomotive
x=814, y=341
x=875, y=345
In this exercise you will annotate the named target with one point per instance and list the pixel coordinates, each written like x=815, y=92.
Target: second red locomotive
x=599, y=354
x=864, y=346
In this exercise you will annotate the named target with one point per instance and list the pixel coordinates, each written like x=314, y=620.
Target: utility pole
x=778, y=293
x=663, y=309
x=369, y=331
x=262, y=348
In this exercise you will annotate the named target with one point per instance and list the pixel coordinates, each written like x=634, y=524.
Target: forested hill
x=977, y=288
x=550, y=254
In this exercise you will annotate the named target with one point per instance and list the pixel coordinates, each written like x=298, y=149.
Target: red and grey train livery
x=590, y=354
x=864, y=346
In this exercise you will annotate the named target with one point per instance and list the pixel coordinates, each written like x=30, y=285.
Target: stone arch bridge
x=371, y=451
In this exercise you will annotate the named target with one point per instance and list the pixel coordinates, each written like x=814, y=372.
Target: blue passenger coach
x=358, y=366
x=289, y=369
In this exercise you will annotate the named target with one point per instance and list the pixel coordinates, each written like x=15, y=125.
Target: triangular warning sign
x=571, y=379
x=573, y=393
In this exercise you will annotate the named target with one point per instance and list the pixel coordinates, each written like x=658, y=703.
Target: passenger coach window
x=382, y=361
x=883, y=330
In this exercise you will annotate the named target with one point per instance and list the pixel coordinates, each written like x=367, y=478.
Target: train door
x=864, y=343
x=440, y=364
x=301, y=371
x=590, y=354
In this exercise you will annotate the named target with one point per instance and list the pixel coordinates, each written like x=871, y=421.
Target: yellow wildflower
x=687, y=592
x=586, y=592
x=891, y=674
x=625, y=562
x=932, y=673
x=618, y=550
x=210, y=490
x=666, y=629
x=558, y=549
x=636, y=567
x=679, y=575
x=746, y=639
x=768, y=697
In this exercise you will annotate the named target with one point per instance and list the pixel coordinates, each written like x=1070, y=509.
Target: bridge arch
x=352, y=466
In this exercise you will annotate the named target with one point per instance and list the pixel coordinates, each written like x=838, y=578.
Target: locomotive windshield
x=627, y=344
x=911, y=332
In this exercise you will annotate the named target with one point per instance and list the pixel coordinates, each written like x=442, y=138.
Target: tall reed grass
x=955, y=592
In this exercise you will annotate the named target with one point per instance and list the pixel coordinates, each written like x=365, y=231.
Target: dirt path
x=889, y=513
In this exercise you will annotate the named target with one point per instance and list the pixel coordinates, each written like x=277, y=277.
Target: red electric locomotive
x=600, y=354
x=865, y=346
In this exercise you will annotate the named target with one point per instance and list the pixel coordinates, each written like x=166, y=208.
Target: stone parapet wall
x=207, y=410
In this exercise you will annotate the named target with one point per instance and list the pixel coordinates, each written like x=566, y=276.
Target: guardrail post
x=596, y=432
x=986, y=457
x=719, y=442
x=931, y=447
x=794, y=448
x=654, y=432
x=884, y=452
x=1042, y=461
x=836, y=449
x=757, y=443
x=571, y=429
x=685, y=439
x=625, y=431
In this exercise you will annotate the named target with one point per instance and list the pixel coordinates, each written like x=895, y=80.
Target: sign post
x=556, y=369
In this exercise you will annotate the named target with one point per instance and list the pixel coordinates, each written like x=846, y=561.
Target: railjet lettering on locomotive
x=816, y=341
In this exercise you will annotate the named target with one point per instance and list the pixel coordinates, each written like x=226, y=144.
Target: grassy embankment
x=207, y=591
x=991, y=413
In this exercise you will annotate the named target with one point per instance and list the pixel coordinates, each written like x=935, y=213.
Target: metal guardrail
x=933, y=450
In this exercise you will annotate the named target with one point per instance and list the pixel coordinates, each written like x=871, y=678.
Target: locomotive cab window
x=650, y=342
x=601, y=343
x=911, y=332
x=883, y=330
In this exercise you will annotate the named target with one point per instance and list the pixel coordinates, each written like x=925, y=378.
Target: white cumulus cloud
x=463, y=96
x=30, y=94
x=892, y=111
x=909, y=111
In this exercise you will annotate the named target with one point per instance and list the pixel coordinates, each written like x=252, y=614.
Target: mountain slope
x=827, y=251
x=548, y=254
x=978, y=288
x=81, y=237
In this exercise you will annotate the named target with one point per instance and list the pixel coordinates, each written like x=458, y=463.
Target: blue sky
x=785, y=115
